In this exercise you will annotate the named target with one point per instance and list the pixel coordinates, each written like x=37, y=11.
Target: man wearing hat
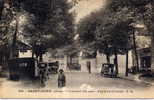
x=61, y=79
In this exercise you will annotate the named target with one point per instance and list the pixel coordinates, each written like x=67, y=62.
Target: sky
x=85, y=7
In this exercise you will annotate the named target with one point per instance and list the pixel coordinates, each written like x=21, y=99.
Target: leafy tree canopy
x=105, y=31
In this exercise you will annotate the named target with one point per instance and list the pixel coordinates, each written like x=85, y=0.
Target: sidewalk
x=131, y=77
x=136, y=78
x=149, y=78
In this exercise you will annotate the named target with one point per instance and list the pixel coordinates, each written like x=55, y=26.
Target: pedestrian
x=89, y=66
x=47, y=74
x=42, y=77
x=61, y=79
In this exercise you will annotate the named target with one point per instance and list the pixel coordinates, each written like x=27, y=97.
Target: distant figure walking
x=89, y=67
x=42, y=77
x=61, y=79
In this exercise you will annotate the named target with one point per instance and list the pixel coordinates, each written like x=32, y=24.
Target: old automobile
x=53, y=67
x=20, y=68
x=108, y=70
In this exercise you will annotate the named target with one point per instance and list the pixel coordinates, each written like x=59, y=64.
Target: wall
x=25, y=54
x=62, y=61
x=96, y=63
x=83, y=63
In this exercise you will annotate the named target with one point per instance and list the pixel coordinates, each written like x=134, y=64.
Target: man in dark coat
x=61, y=79
x=42, y=77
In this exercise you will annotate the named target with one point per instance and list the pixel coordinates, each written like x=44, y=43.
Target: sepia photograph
x=76, y=48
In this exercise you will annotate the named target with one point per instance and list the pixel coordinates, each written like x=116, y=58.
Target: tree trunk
x=1, y=8
x=135, y=51
x=126, y=74
x=32, y=53
x=107, y=58
x=152, y=52
x=13, y=46
x=71, y=60
x=116, y=61
x=41, y=58
x=33, y=50
x=152, y=40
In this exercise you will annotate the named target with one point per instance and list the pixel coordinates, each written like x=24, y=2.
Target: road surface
x=79, y=80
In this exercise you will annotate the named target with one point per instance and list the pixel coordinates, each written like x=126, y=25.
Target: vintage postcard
x=76, y=49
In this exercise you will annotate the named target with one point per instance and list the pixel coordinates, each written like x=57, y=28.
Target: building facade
x=94, y=63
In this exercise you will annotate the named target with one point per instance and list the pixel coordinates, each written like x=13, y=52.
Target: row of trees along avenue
x=111, y=29
x=42, y=23
x=50, y=24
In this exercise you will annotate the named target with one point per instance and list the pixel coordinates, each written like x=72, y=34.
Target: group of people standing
x=44, y=76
